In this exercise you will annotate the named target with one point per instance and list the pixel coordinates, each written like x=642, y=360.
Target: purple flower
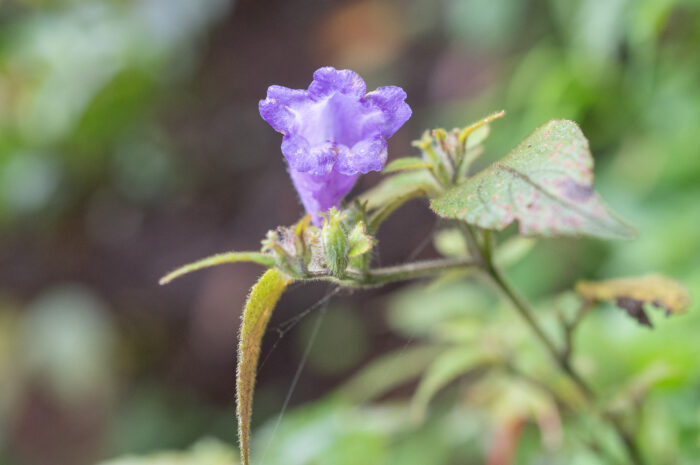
x=333, y=131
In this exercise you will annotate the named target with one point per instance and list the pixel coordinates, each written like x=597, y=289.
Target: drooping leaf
x=545, y=183
x=449, y=366
x=406, y=164
x=258, y=309
x=388, y=372
x=219, y=259
x=633, y=294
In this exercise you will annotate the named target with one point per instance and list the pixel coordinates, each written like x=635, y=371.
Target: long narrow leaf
x=219, y=259
x=258, y=309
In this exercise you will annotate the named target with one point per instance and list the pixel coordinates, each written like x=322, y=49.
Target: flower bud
x=335, y=243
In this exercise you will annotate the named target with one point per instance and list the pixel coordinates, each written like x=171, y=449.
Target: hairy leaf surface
x=258, y=309
x=219, y=259
x=545, y=183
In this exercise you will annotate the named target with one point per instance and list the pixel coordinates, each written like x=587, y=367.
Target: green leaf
x=449, y=366
x=258, y=309
x=512, y=251
x=450, y=243
x=546, y=183
x=399, y=185
x=406, y=164
x=388, y=372
x=219, y=259
x=632, y=294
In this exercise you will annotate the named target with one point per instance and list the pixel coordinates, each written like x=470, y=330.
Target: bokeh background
x=130, y=143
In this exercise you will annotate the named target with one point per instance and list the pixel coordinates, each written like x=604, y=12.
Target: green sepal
x=335, y=243
x=360, y=241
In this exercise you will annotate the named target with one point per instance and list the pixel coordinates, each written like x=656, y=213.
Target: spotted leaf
x=545, y=183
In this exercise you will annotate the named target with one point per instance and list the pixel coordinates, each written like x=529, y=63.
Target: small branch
x=391, y=274
x=562, y=359
x=472, y=244
x=415, y=270
x=570, y=328
x=527, y=314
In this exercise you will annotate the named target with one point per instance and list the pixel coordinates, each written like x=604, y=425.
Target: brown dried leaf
x=632, y=294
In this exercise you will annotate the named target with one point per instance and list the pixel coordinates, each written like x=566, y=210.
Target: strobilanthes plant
x=335, y=130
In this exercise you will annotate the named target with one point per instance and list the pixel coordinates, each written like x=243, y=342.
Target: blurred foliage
x=205, y=452
x=78, y=84
x=84, y=94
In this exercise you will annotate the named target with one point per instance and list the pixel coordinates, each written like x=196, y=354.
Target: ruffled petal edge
x=275, y=109
x=328, y=80
x=390, y=100
x=365, y=156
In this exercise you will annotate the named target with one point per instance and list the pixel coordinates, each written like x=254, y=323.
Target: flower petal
x=319, y=193
x=317, y=160
x=328, y=80
x=365, y=156
x=391, y=101
x=333, y=132
x=275, y=109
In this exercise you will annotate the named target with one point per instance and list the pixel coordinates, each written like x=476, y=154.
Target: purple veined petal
x=391, y=101
x=328, y=80
x=319, y=193
x=333, y=132
x=302, y=157
x=365, y=156
x=276, y=109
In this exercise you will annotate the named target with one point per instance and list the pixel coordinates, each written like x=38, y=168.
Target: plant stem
x=527, y=314
x=391, y=274
x=563, y=360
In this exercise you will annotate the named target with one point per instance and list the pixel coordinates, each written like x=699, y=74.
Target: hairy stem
x=391, y=274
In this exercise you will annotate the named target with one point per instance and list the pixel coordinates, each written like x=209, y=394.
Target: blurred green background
x=130, y=143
